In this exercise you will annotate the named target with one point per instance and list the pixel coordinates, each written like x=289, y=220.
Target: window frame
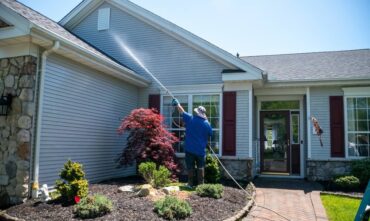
x=345, y=97
x=190, y=107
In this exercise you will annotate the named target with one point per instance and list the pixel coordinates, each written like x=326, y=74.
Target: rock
x=28, y=108
x=20, y=61
x=28, y=69
x=4, y=63
x=23, y=151
x=170, y=189
x=13, y=61
x=145, y=190
x=11, y=169
x=4, y=199
x=25, y=122
x=2, y=87
x=126, y=188
x=23, y=136
x=26, y=81
x=23, y=165
x=26, y=95
x=13, y=70
x=22, y=177
x=9, y=81
x=16, y=105
x=6, y=132
x=21, y=190
x=12, y=146
x=2, y=121
x=4, y=180
x=11, y=190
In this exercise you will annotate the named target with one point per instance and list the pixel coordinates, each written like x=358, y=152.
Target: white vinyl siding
x=242, y=124
x=81, y=113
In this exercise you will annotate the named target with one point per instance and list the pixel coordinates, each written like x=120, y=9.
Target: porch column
x=250, y=121
x=308, y=111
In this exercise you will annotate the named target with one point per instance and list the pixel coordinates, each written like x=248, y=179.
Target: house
x=71, y=83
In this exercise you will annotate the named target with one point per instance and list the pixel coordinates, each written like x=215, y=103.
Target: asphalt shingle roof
x=50, y=25
x=335, y=65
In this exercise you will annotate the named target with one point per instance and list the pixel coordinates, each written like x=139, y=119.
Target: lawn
x=340, y=208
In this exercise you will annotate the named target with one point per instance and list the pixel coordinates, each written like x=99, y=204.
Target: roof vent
x=103, y=19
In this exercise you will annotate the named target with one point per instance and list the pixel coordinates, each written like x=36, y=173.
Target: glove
x=175, y=102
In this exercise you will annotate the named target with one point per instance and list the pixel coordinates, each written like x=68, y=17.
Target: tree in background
x=148, y=140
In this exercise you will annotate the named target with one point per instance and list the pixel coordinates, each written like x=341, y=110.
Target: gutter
x=35, y=176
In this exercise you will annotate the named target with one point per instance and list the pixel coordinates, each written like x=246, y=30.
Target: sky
x=257, y=27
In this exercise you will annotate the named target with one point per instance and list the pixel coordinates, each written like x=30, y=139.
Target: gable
x=171, y=60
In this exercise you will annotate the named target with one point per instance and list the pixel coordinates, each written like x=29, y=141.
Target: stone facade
x=240, y=169
x=327, y=169
x=17, y=77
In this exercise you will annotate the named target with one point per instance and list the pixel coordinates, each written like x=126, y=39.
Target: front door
x=275, y=141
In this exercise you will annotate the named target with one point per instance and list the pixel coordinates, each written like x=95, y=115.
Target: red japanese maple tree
x=148, y=140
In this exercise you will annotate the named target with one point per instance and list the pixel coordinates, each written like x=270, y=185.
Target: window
x=279, y=105
x=175, y=124
x=358, y=126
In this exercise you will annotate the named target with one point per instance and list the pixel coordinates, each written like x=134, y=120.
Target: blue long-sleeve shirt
x=198, y=130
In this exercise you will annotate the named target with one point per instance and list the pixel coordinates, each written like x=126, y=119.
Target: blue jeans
x=191, y=160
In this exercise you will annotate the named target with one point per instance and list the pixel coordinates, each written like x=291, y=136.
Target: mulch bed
x=129, y=207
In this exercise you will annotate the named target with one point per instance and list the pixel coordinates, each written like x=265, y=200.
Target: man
x=198, y=130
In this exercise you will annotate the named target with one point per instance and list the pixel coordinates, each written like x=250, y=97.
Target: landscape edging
x=245, y=209
x=341, y=194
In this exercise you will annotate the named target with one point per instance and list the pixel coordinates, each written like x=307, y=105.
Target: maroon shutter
x=337, y=126
x=155, y=102
x=229, y=124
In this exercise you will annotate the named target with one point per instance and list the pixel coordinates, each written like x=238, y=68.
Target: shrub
x=93, y=206
x=146, y=170
x=361, y=170
x=212, y=170
x=210, y=190
x=347, y=182
x=172, y=208
x=72, y=182
x=157, y=178
x=148, y=140
x=161, y=177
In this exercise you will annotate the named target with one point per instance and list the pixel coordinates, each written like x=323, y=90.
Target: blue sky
x=257, y=27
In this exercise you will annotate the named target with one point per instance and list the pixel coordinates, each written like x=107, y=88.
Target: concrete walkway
x=297, y=200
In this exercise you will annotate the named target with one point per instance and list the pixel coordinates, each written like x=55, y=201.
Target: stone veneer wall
x=327, y=169
x=17, y=77
x=240, y=169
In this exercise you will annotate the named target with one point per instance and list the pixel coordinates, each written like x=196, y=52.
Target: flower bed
x=127, y=206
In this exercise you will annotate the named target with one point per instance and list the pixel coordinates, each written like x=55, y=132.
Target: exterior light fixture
x=5, y=102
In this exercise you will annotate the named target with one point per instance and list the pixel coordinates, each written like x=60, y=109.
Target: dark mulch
x=129, y=207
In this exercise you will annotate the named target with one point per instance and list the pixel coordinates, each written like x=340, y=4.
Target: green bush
x=210, y=190
x=347, y=182
x=212, y=172
x=146, y=170
x=361, y=170
x=172, y=208
x=93, y=206
x=72, y=182
x=161, y=177
x=156, y=178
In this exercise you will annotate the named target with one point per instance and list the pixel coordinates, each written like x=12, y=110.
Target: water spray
x=137, y=60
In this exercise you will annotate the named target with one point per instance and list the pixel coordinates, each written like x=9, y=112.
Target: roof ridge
x=299, y=53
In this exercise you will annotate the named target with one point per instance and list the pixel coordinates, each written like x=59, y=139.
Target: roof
x=50, y=26
x=78, y=13
x=315, y=66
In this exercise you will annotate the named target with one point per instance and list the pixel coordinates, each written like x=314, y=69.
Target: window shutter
x=337, y=126
x=155, y=102
x=229, y=124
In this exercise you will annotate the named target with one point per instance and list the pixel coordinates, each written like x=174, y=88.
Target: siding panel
x=242, y=123
x=81, y=112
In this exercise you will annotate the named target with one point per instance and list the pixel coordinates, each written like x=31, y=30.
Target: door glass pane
x=275, y=151
x=295, y=128
x=279, y=105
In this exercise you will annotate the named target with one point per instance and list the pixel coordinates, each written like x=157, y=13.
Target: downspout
x=35, y=178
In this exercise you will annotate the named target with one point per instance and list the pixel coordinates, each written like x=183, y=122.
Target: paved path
x=297, y=200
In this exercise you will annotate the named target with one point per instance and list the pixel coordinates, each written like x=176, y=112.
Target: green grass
x=340, y=208
x=182, y=186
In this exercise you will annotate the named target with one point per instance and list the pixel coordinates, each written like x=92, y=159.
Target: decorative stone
x=126, y=188
x=23, y=136
x=9, y=81
x=21, y=190
x=13, y=61
x=2, y=86
x=23, y=151
x=11, y=190
x=28, y=108
x=4, y=63
x=25, y=122
x=170, y=189
x=11, y=169
x=13, y=70
x=26, y=95
x=4, y=198
x=145, y=190
x=6, y=132
x=2, y=121
x=28, y=68
x=16, y=105
x=12, y=146
x=23, y=165
x=4, y=180
x=20, y=61
x=2, y=169
x=22, y=177
x=26, y=81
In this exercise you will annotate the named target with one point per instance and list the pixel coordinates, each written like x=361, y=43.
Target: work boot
x=190, y=178
x=200, y=175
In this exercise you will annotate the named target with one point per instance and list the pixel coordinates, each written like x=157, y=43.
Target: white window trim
x=352, y=92
x=190, y=107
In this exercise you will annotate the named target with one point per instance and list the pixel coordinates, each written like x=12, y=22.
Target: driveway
x=297, y=200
